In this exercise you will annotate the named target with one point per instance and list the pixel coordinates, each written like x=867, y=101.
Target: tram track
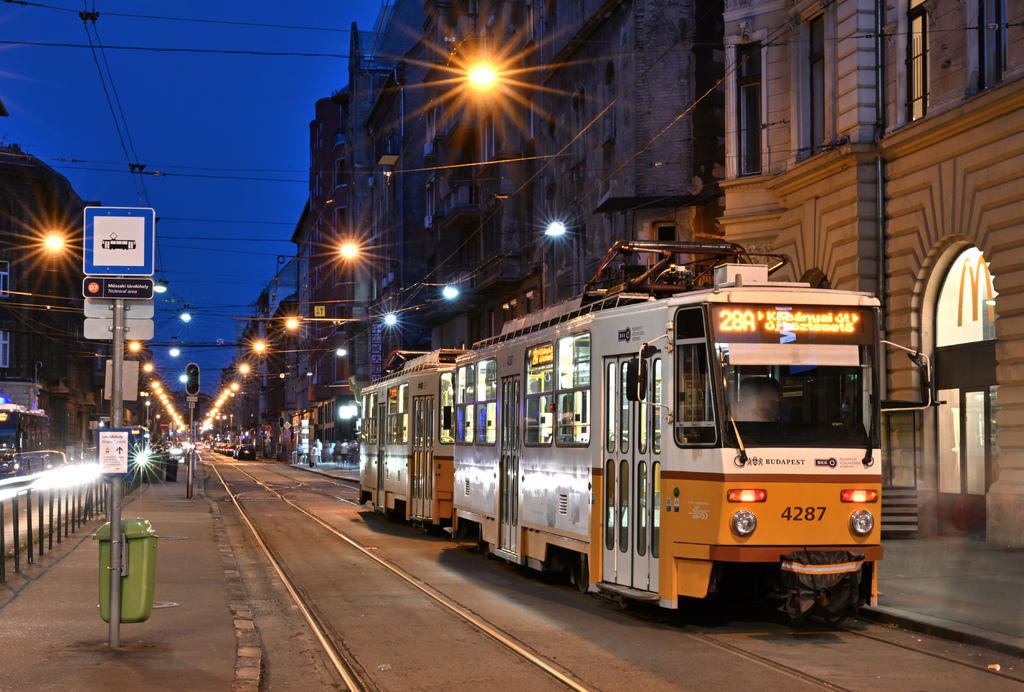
x=352, y=672
x=764, y=646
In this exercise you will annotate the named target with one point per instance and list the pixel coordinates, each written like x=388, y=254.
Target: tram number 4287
x=803, y=513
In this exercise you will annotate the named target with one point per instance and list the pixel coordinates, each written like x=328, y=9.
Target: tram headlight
x=862, y=522
x=744, y=522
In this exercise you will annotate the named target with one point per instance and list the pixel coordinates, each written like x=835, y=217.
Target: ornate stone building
x=880, y=145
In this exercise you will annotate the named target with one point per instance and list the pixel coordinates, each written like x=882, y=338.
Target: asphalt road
x=402, y=639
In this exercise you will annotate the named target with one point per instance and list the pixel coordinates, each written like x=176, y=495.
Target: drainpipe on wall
x=880, y=234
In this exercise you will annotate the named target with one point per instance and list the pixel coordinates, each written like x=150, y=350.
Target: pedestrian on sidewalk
x=316, y=449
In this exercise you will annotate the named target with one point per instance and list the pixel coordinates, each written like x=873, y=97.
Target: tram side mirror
x=647, y=350
x=446, y=417
x=636, y=379
x=924, y=365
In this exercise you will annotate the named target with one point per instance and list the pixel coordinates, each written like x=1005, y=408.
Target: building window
x=5, y=349
x=817, y=85
x=610, y=95
x=991, y=42
x=748, y=88
x=5, y=278
x=917, y=60
x=579, y=114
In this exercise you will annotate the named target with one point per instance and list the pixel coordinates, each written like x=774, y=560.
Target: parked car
x=245, y=452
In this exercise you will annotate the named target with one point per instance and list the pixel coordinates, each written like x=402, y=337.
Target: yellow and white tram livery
x=407, y=438
x=659, y=445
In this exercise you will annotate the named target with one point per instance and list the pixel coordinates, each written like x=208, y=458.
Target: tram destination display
x=804, y=324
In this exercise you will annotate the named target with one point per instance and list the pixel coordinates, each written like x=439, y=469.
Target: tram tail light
x=747, y=495
x=859, y=496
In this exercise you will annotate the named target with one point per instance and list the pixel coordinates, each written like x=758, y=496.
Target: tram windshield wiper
x=728, y=412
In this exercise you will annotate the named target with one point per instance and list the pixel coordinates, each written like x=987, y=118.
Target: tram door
x=422, y=456
x=508, y=539
x=381, y=455
x=631, y=498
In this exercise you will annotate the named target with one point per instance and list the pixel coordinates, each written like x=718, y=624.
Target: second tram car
x=406, y=451
x=660, y=438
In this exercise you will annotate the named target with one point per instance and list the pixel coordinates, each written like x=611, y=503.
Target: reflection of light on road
x=63, y=477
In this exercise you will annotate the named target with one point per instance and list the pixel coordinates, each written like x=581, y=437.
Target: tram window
x=364, y=429
x=539, y=404
x=656, y=508
x=464, y=404
x=487, y=405
x=446, y=432
x=623, y=414
x=641, y=508
x=817, y=396
x=690, y=324
x=643, y=411
x=574, y=418
x=623, y=506
x=573, y=390
x=695, y=420
x=609, y=505
x=610, y=412
x=398, y=414
x=657, y=411
x=370, y=425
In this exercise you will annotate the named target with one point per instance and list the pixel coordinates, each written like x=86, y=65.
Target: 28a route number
x=803, y=513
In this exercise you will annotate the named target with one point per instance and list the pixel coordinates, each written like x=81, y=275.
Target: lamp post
x=555, y=229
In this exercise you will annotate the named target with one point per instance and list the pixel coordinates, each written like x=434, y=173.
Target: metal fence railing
x=48, y=506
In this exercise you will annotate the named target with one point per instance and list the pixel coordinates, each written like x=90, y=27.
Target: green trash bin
x=140, y=558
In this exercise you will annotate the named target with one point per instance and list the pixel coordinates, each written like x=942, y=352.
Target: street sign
x=117, y=287
x=164, y=425
x=118, y=241
x=101, y=329
x=113, y=450
x=133, y=309
x=130, y=387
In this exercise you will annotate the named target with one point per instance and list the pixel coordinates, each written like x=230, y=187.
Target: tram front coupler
x=822, y=583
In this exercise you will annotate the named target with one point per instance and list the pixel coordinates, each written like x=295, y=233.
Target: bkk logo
x=831, y=463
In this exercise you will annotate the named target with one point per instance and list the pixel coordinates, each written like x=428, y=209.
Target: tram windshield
x=813, y=389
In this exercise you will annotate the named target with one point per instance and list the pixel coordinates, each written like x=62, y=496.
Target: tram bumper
x=825, y=583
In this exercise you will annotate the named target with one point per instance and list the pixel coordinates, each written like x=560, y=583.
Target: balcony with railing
x=460, y=207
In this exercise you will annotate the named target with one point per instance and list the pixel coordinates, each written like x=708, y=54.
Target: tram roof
x=403, y=362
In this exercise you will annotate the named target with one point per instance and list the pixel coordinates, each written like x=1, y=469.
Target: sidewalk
x=957, y=588
x=199, y=636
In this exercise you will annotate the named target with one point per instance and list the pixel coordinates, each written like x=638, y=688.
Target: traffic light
x=191, y=379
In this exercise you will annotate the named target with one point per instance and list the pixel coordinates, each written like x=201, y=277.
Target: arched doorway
x=965, y=338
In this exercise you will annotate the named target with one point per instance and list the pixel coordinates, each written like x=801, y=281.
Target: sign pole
x=190, y=465
x=116, y=415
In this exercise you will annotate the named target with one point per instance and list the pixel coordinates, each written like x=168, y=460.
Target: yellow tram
x=683, y=427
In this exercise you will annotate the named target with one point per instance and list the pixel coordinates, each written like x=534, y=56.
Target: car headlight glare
x=862, y=522
x=744, y=522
